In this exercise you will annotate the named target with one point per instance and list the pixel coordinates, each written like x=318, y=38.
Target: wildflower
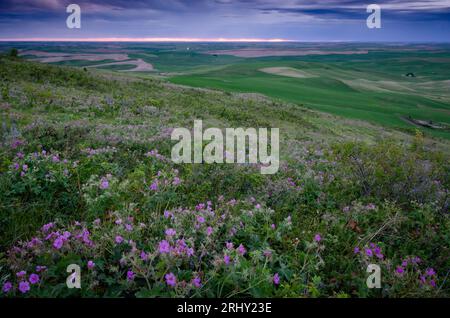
x=369, y=252
x=154, y=186
x=430, y=272
x=40, y=268
x=432, y=283
x=144, y=256
x=317, y=237
x=176, y=181
x=130, y=275
x=405, y=263
x=119, y=239
x=24, y=287
x=90, y=264
x=16, y=166
x=128, y=227
x=25, y=167
x=226, y=259
x=258, y=206
x=276, y=279
x=171, y=280
x=356, y=250
x=104, y=184
x=21, y=274
x=273, y=226
x=241, y=249
x=400, y=270
x=7, y=287
x=209, y=230
x=58, y=243
x=267, y=253
x=229, y=245
x=34, y=279
x=197, y=282
x=200, y=219
x=97, y=222
x=170, y=232
x=164, y=247
x=118, y=221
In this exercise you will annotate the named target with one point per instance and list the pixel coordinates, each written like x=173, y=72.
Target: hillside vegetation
x=86, y=178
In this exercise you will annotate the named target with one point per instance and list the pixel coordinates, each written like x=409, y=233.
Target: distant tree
x=14, y=52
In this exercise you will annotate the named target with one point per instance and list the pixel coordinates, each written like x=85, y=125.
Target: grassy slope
x=65, y=110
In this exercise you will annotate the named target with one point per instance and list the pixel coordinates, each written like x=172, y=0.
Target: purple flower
x=276, y=279
x=209, y=231
x=58, y=243
x=128, y=227
x=258, y=206
x=90, y=264
x=40, y=268
x=25, y=167
x=170, y=232
x=7, y=287
x=273, y=226
x=197, y=282
x=200, y=219
x=47, y=227
x=34, y=279
x=104, y=184
x=241, y=249
x=430, y=272
x=144, y=256
x=119, y=239
x=21, y=274
x=171, y=279
x=356, y=250
x=154, y=186
x=130, y=275
x=164, y=247
x=24, y=287
x=226, y=259
x=317, y=237
x=229, y=245
x=267, y=253
x=400, y=270
x=369, y=252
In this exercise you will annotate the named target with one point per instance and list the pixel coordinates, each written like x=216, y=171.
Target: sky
x=294, y=20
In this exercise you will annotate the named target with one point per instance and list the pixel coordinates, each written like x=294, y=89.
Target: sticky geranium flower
x=209, y=231
x=229, y=245
x=119, y=239
x=171, y=279
x=317, y=237
x=356, y=250
x=197, y=282
x=200, y=219
x=226, y=259
x=34, y=279
x=369, y=252
x=164, y=247
x=90, y=264
x=7, y=287
x=21, y=274
x=130, y=275
x=144, y=256
x=170, y=232
x=400, y=270
x=276, y=279
x=430, y=272
x=241, y=249
x=104, y=184
x=58, y=243
x=24, y=287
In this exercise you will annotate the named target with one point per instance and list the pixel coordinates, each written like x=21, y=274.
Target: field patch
x=286, y=71
x=281, y=52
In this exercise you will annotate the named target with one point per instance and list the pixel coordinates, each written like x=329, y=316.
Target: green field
x=371, y=87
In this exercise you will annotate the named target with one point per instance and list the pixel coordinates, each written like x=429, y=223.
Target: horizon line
x=153, y=39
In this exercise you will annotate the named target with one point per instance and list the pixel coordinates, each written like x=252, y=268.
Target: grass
x=75, y=159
